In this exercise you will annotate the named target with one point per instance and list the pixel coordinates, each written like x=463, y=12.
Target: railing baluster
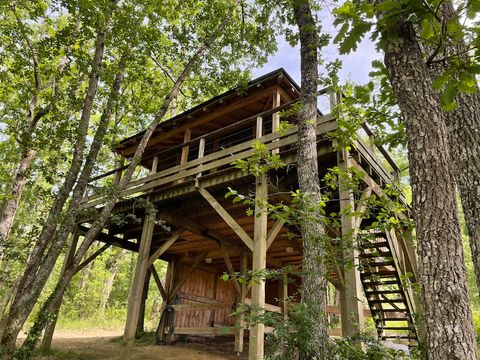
x=201, y=152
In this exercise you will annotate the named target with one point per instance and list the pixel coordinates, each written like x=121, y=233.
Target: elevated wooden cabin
x=185, y=173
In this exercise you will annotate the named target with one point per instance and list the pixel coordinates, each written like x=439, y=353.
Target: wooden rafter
x=227, y=218
x=165, y=246
x=230, y=268
x=272, y=234
x=92, y=257
x=158, y=281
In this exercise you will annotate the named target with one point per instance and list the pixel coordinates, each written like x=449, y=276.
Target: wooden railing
x=207, y=162
x=404, y=259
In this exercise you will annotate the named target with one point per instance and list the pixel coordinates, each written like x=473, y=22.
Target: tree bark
x=314, y=283
x=463, y=126
x=442, y=273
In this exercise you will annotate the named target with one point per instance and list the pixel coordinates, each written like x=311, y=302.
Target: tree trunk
x=46, y=310
x=313, y=281
x=50, y=328
x=442, y=273
x=39, y=267
x=11, y=204
x=107, y=289
x=463, y=125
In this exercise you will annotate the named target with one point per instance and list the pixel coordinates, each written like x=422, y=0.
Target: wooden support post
x=257, y=331
x=169, y=277
x=135, y=297
x=351, y=295
x=240, y=330
x=141, y=313
x=283, y=294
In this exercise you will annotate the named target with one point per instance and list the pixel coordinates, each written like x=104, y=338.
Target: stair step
x=378, y=263
x=389, y=310
x=392, y=319
x=380, y=283
x=387, y=301
x=380, y=273
x=397, y=328
x=387, y=254
x=399, y=291
x=374, y=245
x=412, y=337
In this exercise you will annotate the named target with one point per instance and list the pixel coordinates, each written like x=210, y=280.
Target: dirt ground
x=106, y=345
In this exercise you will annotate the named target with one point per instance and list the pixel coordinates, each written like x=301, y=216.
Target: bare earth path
x=100, y=344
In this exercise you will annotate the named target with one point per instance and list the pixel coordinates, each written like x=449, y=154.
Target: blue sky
x=356, y=66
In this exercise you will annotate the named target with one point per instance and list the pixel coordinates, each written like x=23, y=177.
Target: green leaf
x=447, y=98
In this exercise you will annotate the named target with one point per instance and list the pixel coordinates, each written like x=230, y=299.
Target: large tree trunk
x=47, y=309
x=442, y=273
x=314, y=283
x=463, y=125
x=39, y=267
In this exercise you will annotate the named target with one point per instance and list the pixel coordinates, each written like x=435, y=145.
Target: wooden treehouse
x=185, y=173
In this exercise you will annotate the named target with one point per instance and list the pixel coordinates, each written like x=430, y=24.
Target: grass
x=55, y=354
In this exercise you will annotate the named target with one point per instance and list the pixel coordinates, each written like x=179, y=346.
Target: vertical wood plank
x=257, y=331
x=134, y=301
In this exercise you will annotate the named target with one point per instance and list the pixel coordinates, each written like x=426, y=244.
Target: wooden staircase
x=384, y=277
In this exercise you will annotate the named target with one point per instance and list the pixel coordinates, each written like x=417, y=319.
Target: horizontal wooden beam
x=204, y=330
x=183, y=307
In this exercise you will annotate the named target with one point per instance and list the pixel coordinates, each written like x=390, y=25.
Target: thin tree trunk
x=50, y=328
x=46, y=310
x=37, y=271
x=10, y=207
x=463, y=126
x=314, y=283
x=107, y=289
x=442, y=273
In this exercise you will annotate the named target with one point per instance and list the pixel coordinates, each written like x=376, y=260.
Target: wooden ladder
x=389, y=300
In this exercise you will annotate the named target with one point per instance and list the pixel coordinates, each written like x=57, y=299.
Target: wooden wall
x=203, y=287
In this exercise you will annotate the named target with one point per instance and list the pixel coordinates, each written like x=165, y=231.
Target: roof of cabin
x=279, y=76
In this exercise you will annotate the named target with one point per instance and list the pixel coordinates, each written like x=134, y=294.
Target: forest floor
x=103, y=344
